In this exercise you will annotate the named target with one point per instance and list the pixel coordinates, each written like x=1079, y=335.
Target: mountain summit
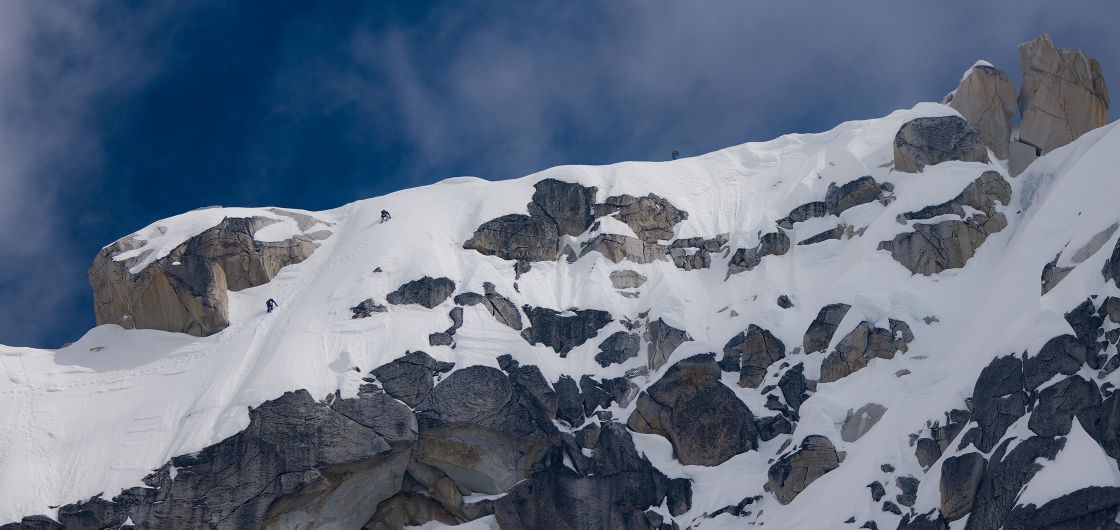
x=906, y=322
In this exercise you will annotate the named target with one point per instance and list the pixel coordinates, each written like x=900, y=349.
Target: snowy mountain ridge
x=794, y=333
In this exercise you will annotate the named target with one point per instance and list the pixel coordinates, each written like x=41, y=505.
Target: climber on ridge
x=271, y=304
x=676, y=155
x=385, y=216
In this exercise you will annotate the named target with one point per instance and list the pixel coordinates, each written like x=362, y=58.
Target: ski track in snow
x=98, y=415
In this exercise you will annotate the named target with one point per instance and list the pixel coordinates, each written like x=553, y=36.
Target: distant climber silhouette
x=385, y=216
x=271, y=304
x=676, y=155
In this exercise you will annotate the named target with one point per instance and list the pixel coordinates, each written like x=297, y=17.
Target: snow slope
x=98, y=415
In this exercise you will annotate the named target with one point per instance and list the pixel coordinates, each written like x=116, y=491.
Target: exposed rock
x=501, y=308
x=924, y=142
x=752, y=352
x=34, y=522
x=1059, y=403
x=981, y=194
x=960, y=476
x=1063, y=354
x=1007, y=473
x=617, y=247
x=367, y=308
x=928, y=521
x=351, y=453
x=662, y=340
x=795, y=471
x=679, y=496
x=409, y=378
x=794, y=388
x=440, y=338
x=831, y=233
x=468, y=299
x=877, y=491
x=772, y=426
x=482, y=430
x=986, y=98
x=1093, y=507
x=1063, y=95
x=427, y=292
x=810, y=210
x=745, y=259
x=620, y=486
x=185, y=291
x=908, y=485
x=651, y=217
x=932, y=248
x=566, y=204
x=516, y=237
x=1111, y=270
x=820, y=332
x=859, y=421
x=617, y=348
x=563, y=331
x=627, y=279
x=858, y=347
x=569, y=402
x=784, y=302
x=702, y=418
x=695, y=252
x=859, y=191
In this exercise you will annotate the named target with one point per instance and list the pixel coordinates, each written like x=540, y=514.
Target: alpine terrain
x=906, y=322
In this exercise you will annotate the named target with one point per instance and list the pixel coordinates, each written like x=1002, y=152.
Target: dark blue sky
x=115, y=114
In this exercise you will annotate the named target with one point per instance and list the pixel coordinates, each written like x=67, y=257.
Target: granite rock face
x=745, y=259
x=427, y=292
x=662, y=340
x=924, y=142
x=1064, y=94
x=933, y=248
x=795, y=471
x=702, y=418
x=185, y=291
x=409, y=378
x=562, y=331
x=751, y=353
x=986, y=98
x=820, y=332
x=862, y=344
x=556, y=208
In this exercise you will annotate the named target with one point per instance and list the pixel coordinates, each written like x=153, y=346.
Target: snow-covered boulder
x=174, y=275
x=924, y=142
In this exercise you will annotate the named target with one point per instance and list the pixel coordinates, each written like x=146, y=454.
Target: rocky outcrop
x=695, y=252
x=557, y=208
x=809, y=210
x=1063, y=354
x=366, y=308
x=611, y=489
x=499, y=306
x=795, y=471
x=702, y=418
x=562, y=331
x=617, y=247
x=998, y=400
x=516, y=237
x=819, y=335
x=859, y=191
x=750, y=353
x=566, y=204
x=862, y=344
x=627, y=279
x=617, y=348
x=933, y=248
x=1059, y=403
x=652, y=218
x=745, y=259
x=1007, y=473
x=1063, y=95
x=427, y=292
x=482, y=430
x=986, y=98
x=1092, y=507
x=960, y=476
x=662, y=340
x=409, y=378
x=185, y=291
x=924, y=142
x=352, y=453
